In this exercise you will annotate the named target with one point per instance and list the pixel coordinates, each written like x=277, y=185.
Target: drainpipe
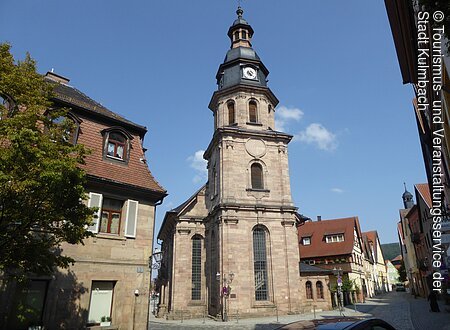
x=159, y=202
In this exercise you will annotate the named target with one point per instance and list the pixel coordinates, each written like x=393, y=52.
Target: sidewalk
x=260, y=323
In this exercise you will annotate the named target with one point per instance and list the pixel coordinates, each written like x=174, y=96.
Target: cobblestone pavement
x=406, y=313
x=262, y=323
x=400, y=309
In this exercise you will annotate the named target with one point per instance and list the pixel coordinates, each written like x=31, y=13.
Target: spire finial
x=239, y=11
x=404, y=185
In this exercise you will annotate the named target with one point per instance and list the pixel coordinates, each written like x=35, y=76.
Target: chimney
x=319, y=218
x=56, y=77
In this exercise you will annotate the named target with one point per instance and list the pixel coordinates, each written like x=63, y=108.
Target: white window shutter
x=131, y=221
x=95, y=200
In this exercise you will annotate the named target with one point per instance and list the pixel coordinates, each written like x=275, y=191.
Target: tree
x=41, y=183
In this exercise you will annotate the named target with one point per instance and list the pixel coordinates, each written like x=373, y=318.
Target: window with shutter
x=95, y=200
x=131, y=222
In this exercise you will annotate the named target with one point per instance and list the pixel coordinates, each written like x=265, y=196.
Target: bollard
x=314, y=309
x=181, y=316
x=276, y=308
x=355, y=306
x=237, y=316
x=204, y=317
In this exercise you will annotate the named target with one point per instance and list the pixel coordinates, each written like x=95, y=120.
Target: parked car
x=339, y=323
x=400, y=287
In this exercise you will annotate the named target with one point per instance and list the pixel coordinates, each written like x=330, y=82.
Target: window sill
x=110, y=236
x=254, y=124
x=258, y=190
x=263, y=304
x=115, y=160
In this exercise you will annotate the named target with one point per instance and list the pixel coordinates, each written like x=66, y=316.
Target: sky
x=332, y=64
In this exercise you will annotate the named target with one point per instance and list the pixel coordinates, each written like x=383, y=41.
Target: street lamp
x=338, y=274
x=155, y=263
x=226, y=290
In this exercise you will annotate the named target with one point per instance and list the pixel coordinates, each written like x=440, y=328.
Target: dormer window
x=116, y=145
x=306, y=240
x=7, y=106
x=67, y=126
x=334, y=238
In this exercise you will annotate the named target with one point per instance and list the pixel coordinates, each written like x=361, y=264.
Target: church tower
x=252, y=258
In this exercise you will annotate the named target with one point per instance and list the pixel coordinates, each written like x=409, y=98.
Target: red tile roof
x=424, y=191
x=317, y=231
x=94, y=119
x=135, y=173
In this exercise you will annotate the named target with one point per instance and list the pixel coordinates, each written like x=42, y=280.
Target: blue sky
x=332, y=65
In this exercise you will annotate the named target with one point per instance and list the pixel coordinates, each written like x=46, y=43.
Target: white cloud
x=285, y=115
x=337, y=190
x=199, y=165
x=318, y=135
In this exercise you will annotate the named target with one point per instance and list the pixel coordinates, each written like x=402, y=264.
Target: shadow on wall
x=52, y=302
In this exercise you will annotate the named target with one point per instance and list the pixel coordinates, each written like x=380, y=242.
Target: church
x=232, y=247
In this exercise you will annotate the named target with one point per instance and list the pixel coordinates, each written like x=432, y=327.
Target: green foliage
x=41, y=183
x=390, y=250
x=347, y=285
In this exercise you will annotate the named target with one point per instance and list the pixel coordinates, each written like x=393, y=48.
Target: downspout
x=159, y=202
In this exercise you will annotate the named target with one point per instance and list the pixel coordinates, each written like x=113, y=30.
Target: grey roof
x=305, y=268
x=241, y=52
x=73, y=96
x=183, y=205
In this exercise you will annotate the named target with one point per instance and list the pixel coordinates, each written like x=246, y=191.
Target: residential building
x=429, y=77
x=335, y=244
x=379, y=266
x=392, y=273
x=111, y=277
x=232, y=246
x=316, y=292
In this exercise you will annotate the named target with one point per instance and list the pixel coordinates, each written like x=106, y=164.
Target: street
x=400, y=309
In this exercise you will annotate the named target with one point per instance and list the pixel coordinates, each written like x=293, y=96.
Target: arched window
x=244, y=35
x=260, y=264
x=116, y=145
x=196, y=268
x=309, y=293
x=231, y=113
x=236, y=35
x=319, y=289
x=257, y=176
x=252, y=111
x=7, y=106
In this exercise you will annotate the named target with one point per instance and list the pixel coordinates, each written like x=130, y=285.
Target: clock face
x=249, y=73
